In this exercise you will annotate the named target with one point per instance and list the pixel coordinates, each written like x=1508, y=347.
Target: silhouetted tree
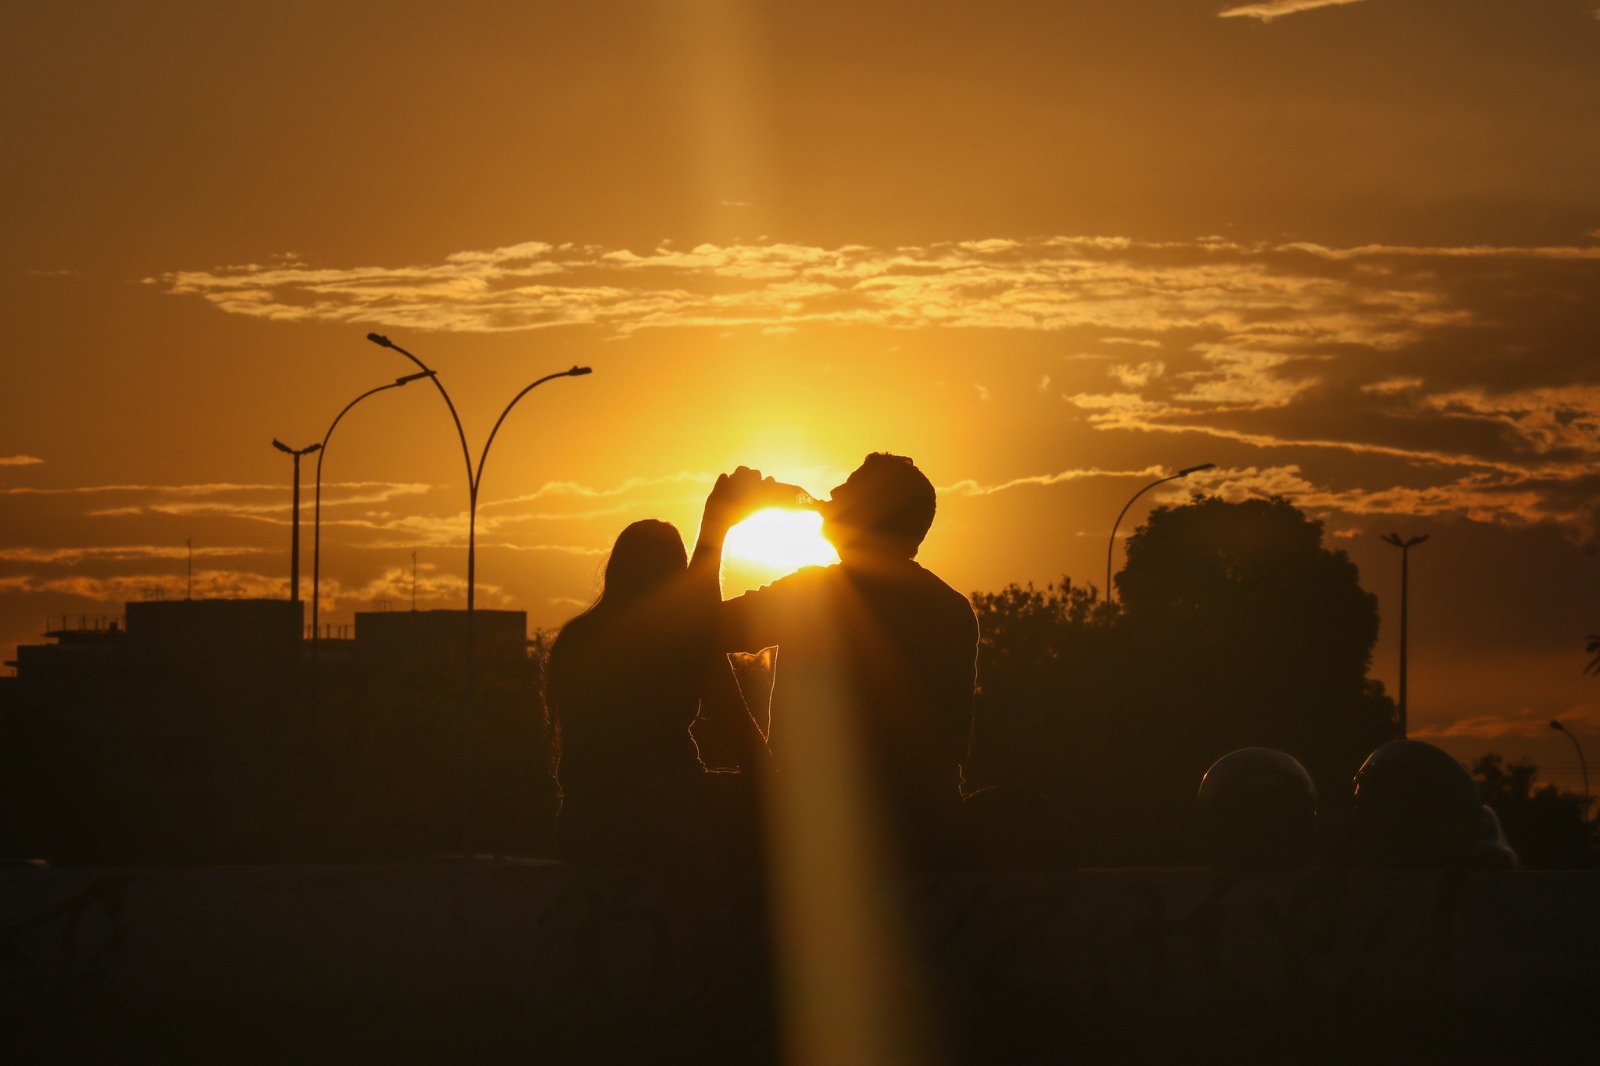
x=1037, y=652
x=1246, y=630
x=1237, y=629
x=1547, y=825
x=1593, y=649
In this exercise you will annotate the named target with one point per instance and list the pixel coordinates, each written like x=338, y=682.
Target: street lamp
x=474, y=480
x=474, y=476
x=1405, y=547
x=294, y=547
x=1582, y=763
x=1111, y=546
x=316, y=511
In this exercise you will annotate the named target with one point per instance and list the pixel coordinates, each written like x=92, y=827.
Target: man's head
x=885, y=507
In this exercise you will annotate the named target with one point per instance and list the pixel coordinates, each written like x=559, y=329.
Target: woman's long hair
x=648, y=559
x=647, y=555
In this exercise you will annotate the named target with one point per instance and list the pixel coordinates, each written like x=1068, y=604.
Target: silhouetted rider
x=876, y=656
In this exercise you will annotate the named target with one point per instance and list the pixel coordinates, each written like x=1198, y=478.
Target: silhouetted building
x=82, y=668
x=236, y=642
x=160, y=739
x=194, y=732
x=393, y=639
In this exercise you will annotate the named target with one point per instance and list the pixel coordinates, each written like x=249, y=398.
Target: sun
x=779, y=541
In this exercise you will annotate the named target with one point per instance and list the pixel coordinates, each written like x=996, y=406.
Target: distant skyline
x=1346, y=250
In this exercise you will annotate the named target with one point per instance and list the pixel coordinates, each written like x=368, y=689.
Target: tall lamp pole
x=474, y=480
x=1405, y=547
x=294, y=547
x=1582, y=763
x=1112, y=544
x=291, y=842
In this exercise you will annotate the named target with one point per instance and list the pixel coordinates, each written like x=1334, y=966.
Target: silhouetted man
x=876, y=656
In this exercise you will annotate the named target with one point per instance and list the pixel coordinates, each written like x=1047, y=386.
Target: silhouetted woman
x=625, y=680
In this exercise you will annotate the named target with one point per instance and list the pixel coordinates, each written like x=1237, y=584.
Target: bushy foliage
x=1548, y=826
x=1236, y=628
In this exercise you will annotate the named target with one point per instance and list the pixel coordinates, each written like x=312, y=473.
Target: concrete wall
x=433, y=963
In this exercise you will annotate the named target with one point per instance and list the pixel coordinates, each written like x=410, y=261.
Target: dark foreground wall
x=557, y=964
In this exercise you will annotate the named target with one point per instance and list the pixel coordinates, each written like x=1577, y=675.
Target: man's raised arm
x=734, y=498
x=730, y=502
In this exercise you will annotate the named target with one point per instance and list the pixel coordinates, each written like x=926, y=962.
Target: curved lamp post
x=474, y=475
x=1111, y=546
x=294, y=545
x=474, y=480
x=316, y=511
x=1582, y=764
x=1405, y=547
x=477, y=476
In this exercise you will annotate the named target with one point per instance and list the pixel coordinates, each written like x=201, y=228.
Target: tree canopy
x=1237, y=627
x=1256, y=632
x=1548, y=826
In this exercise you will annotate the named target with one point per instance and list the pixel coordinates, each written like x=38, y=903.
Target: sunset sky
x=1346, y=250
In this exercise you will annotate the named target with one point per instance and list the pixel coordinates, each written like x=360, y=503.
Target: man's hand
x=734, y=498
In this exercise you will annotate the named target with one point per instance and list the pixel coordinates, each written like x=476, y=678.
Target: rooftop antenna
x=188, y=590
x=413, y=581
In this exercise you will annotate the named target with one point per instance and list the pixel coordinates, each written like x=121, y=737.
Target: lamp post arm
x=466, y=452
x=1583, y=764
x=316, y=509
x=341, y=414
x=477, y=477
x=1111, y=546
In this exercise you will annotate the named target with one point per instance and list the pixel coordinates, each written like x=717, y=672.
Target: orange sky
x=1347, y=251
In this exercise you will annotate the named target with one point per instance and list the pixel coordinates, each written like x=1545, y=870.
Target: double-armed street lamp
x=474, y=481
x=1111, y=546
x=294, y=546
x=1583, y=764
x=1405, y=547
x=474, y=474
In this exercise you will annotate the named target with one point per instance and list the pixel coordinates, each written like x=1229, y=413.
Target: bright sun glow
x=781, y=540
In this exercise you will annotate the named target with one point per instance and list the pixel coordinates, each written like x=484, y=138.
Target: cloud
x=1469, y=366
x=119, y=553
x=697, y=478
x=1475, y=496
x=123, y=588
x=1135, y=375
x=396, y=584
x=381, y=492
x=975, y=488
x=1050, y=284
x=19, y=460
x=1140, y=292
x=562, y=549
x=222, y=499
x=175, y=490
x=1524, y=722
x=1275, y=9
